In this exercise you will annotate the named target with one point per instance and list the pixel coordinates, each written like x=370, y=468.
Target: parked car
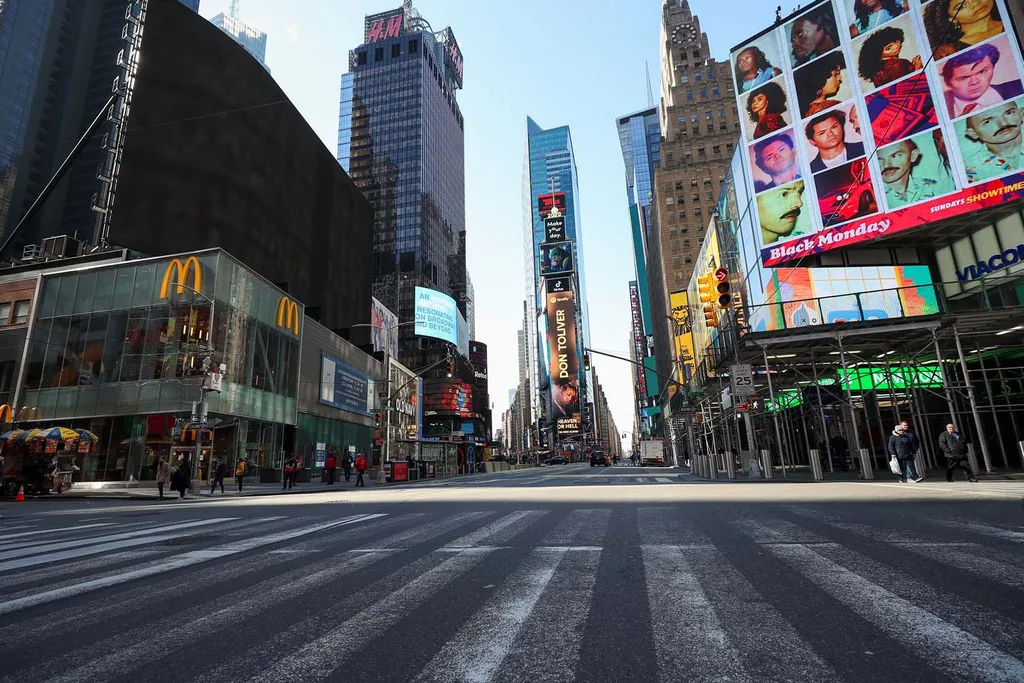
x=556, y=460
x=600, y=458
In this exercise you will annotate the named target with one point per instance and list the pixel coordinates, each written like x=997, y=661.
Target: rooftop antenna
x=233, y=11
x=650, y=94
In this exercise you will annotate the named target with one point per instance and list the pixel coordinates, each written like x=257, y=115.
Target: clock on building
x=684, y=33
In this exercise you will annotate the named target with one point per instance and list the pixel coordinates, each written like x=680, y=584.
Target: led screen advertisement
x=384, y=328
x=437, y=315
x=865, y=119
x=639, y=340
x=546, y=202
x=342, y=386
x=554, y=228
x=556, y=258
x=563, y=362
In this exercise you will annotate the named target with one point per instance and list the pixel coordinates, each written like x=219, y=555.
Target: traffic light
x=705, y=287
x=586, y=361
x=376, y=419
x=722, y=287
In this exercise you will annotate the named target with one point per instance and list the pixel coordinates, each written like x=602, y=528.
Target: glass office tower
x=252, y=39
x=550, y=169
x=400, y=139
x=640, y=140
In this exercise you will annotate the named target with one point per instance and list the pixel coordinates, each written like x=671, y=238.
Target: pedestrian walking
x=181, y=479
x=902, y=447
x=346, y=466
x=360, y=470
x=217, y=474
x=163, y=473
x=240, y=471
x=331, y=464
x=952, y=445
x=291, y=471
x=841, y=450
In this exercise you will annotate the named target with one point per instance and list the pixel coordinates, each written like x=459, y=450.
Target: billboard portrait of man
x=821, y=85
x=990, y=141
x=902, y=109
x=826, y=134
x=781, y=213
x=979, y=78
x=556, y=258
x=915, y=169
x=813, y=35
x=845, y=193
x=775, y=158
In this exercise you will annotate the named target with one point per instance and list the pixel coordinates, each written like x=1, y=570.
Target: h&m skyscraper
x=557, y=316
x=400, y=138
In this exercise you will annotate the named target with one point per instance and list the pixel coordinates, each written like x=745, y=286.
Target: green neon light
x=880, y=378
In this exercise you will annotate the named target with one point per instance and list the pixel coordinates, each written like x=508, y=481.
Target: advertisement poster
x=342, y=386
x=546, y=202
x=554, y=228
x=384, y=326
x=556, y=258
x=683, y=337
x=564, y=367
x=436, y=315
x=865, y=119
x=447, y=397
x=639, y=340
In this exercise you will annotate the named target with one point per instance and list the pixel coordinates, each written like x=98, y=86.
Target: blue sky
x=560, y=62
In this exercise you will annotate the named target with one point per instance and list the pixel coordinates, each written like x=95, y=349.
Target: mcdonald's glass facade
x=118, y=349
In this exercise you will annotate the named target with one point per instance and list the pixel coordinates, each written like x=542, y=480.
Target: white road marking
x=577, y=524
x=982, y=529
x=422, y=533
x=61, y=530
x=698, y=645
x=962, y=655
x=185, y=560
x=663, y=480
x=499, y=530
x=967, y=557
x=319, y=658
x=474, y=654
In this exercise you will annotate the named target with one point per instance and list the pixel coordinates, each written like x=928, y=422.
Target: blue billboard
x=437, y=316
x=342, y=386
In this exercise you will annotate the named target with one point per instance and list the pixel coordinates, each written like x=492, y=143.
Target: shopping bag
x=894, y=465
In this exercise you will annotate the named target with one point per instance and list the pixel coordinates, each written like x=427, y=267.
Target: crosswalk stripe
x=963, y=654
x=968, y=559
x=497, y=531
x=976, y=528
x=188, y=559
x=663, y=480
x=477, y=650
x=699, y=646
x=580, y=527
x=320, y=657
x=152, y=531
x=4, y=539
x=422, y=533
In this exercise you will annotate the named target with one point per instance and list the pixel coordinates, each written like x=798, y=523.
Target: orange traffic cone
x=21, y=494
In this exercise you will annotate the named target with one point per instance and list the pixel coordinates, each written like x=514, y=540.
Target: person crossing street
x=954, y=448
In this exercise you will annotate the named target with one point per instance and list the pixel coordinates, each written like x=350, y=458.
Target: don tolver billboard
x=564, y=366
x=437, y=315
x=865, y=119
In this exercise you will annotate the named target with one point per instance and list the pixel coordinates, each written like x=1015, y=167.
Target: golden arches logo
x=288, y=315
x=178, y=273
x=6, y=414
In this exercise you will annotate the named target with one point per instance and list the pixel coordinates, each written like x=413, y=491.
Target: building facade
x=550, y=181
x=401, y=139
x=252, y=39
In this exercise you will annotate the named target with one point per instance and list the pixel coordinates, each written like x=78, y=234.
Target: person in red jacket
x=330, y=464
x=360, y=470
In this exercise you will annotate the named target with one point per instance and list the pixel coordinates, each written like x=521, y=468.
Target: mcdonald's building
x=117, y=347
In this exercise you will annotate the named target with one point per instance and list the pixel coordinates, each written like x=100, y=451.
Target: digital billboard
x=865, y=119
x=554, y=228
x=559, y=284
x=447, y=397
x=563, y=363
x=556, y=258
x=342, y=386
x=437, y=315
x=384, y=328
x=639, y=340
x=546, y=202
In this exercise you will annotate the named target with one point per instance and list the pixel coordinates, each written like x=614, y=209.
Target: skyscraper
x=400, y=138
x=640, y=140
x=699, y=128
x=252, y=39
x=550, y=181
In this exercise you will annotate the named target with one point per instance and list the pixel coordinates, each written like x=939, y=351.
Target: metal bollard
x=919, y=463
x=815, y=457
x=767, y=465
x=972, y=458
x=730, y=464
x=866, y=469
x=712, y=466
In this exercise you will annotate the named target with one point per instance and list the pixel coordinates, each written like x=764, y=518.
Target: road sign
x=721, y=274
x=742, y=377
x=742, y=407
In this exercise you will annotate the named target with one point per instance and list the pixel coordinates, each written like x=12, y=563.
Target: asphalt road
x=558, y=574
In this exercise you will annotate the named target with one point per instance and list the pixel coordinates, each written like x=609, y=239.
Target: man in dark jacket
x=952, y=445
x=903, y=445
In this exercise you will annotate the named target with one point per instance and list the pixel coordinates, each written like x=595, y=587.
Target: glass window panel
x=51, y=285
x=86, y=292
x=113, y=347
x=55, y=353
x=149, y=395
x=106, y=399
x=65, y=407
x=145, y=277
x=123, y=285
x=104, y=289
x=131, y=365
x=225, y=273
x=78, y=332
x=37, y=354
x=86, y=404
x=66, y=295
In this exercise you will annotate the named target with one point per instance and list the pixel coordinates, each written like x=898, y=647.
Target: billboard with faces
x=865, y=118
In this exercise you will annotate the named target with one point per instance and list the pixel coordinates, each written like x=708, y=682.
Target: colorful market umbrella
x=10, y=436
x=87, y=435
x=58, y=433
x=26, y=436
